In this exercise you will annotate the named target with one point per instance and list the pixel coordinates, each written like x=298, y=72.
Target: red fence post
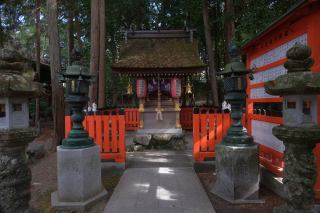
x=211, y=132
x=98, y=132
x=122, y=142
x=196, y=135
x=106, y=129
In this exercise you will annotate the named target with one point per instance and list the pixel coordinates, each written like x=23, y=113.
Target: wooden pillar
x=141, y=110
x=177, y=109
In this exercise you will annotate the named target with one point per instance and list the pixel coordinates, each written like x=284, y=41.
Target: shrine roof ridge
x=131, y=34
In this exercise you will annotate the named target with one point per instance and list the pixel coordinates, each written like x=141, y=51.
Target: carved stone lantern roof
x=299, y=79
x=14, y=82
x=235, y=65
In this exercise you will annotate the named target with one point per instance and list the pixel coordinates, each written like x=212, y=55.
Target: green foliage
x=253, y=16
x=44, y=108
x=18, y=19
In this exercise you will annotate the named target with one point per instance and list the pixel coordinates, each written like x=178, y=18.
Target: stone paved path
x=159, y=182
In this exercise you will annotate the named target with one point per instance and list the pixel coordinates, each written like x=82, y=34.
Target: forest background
x=48, y=30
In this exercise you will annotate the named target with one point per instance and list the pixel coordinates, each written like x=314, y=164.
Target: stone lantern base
x=237, y=174
x=79, y=179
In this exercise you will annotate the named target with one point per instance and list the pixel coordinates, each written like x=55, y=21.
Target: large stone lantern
x=78, y=158
x=299, y=132
x=77, y=79
x=16, y=88
x=237, y=156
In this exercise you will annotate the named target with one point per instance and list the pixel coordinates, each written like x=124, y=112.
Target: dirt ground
x=44, y=182
x=44, y=179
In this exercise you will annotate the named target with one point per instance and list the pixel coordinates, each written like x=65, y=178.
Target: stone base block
x=237, y=174
x=79, y=174
x=271, y=181
x=204, y=166
x=77, y=206
x=112, y=169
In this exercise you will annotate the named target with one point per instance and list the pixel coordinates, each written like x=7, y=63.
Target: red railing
x=132, y=118
x=207, y=132
x=108, y=131
x=186, y=117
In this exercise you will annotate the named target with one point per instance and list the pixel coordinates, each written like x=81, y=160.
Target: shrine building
x=267, y=51
x=158, y=60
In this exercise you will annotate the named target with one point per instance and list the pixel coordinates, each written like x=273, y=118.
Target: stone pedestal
x=79, y=179
x=237, y=174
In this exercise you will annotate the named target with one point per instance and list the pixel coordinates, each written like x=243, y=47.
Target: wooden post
x=177, y=109
x=94, y=55
x=38, y=62
x=141, y=110
x=102, y=63
x=58, y=102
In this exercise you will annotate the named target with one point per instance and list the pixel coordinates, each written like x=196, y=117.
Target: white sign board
x=277, y=53
x=269, y=74
x=262, y=134
x=259, y=92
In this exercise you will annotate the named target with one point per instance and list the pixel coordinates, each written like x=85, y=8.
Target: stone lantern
x=237, y=156
x=78, y=158
x=16, y=88
x=299, y=132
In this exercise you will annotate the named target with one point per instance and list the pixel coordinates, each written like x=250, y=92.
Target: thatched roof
x=158, y=53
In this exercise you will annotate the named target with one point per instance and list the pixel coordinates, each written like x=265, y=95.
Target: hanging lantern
x=129, y=88
x=175, y=88
x=188, y=87
x=141, y=87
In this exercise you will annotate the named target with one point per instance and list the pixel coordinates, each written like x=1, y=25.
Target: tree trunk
x=70, y=35
x=1, y=31
x=76, y=20
x=58, y=105
x=115, y=99
x=229, y=28
x=102, y=63
x=94, y=52
x=38, y=60
x=210, y=53
x=139, y=18
x=44, y=44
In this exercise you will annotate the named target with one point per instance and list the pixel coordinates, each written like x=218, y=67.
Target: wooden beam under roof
x=158, y=34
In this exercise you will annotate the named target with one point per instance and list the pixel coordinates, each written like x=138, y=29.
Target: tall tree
x=76, y=20
x=55, y=63
x=229, y=28
x=213, y=80
x=94, y=56
x=102, y=63
x=70, y=34
x=38, y=59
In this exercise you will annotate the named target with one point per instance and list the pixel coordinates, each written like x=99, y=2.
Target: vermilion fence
x=186, y=116
x=132, y=117
x=208, y=130
x=107, y=130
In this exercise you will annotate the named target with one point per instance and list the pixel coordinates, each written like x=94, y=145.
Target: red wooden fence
x=207, y=132
x=108, y=131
